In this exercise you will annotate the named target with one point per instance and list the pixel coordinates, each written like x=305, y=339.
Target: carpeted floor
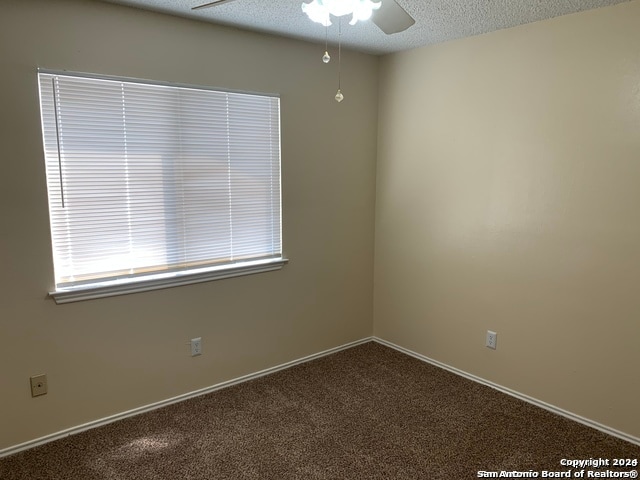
x=364, y=413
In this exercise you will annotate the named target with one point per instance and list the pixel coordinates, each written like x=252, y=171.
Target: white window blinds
x=149, y=178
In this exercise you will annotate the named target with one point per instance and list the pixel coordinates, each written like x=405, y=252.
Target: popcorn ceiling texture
x=436, y=20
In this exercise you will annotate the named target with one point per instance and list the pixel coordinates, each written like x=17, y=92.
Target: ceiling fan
x=388, y=15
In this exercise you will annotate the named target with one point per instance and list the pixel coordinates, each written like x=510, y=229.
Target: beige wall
x=507, y=193
x=507, y=199
x=107, y=356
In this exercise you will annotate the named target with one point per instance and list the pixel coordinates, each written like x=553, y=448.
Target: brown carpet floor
x=364, y=413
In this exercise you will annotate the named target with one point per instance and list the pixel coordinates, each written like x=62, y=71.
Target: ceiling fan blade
x=392, y=18
x=211, y=4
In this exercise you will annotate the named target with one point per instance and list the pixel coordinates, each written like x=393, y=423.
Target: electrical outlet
x=196, y=346
x=492, y=339
x=38, y=385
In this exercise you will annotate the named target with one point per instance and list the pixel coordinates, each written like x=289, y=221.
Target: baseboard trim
x=180, y=398
x=513, y=393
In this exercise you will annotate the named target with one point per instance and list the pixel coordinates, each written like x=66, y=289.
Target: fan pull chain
x=339, y=96
x=326, y=58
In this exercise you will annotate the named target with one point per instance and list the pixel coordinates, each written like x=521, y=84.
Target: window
x=152, y=185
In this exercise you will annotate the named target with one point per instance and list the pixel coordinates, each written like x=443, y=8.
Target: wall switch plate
x=196, y=346
x=492, y=339
x=38, y=385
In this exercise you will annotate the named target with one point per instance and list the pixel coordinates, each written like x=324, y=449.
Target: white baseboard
x=180, y=398
x=513, y=393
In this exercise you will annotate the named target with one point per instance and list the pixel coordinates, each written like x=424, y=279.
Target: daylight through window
x=152, y=181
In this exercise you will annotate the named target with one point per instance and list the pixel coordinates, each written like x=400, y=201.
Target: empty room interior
x=486, y=183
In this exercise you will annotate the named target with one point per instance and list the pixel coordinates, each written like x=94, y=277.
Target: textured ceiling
x=436, y=20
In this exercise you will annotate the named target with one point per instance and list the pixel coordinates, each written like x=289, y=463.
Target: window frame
x=106, y=287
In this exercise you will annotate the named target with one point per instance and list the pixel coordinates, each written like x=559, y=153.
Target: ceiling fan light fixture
x=317, y=12
x=363, y=10
x=320, y=11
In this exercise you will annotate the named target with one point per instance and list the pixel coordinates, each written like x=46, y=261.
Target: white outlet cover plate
x=492, y=339
x=196, y=346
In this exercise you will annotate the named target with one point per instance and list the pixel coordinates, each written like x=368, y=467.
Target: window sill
x=110, y=289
